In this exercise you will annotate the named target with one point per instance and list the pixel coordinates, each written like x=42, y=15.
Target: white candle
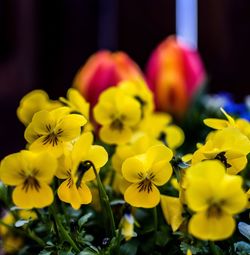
x=186, y=21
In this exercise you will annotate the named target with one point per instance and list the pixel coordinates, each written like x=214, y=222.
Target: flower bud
x=174, y=73
x=102, y=70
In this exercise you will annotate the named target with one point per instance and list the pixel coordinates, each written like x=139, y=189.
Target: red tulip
x=102, y=70
x=174, y=74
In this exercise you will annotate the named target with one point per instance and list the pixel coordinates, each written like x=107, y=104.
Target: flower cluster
x=116, y=177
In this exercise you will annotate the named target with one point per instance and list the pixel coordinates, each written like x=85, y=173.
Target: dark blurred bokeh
x=43, y=43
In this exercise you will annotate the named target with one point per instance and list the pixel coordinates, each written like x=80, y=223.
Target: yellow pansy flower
x=215, y=197
x=118, y=113
x=242, y=124
x=33, y=102
x=229, y=146
x=31, y=173
x=9, y=219
x=27, y=214
x=139, y=143
x=11, y=243
x=127, y=226
x=145, y=172
x=52, y=131
x=74, y=168
x=163, y=130
x=172, y=211
x=139, y=91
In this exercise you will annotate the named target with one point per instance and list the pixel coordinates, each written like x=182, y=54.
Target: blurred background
x=43, y=44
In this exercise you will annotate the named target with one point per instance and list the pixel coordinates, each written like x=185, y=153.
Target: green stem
x=214, y=250
x=105, y=201
x=177, y=173
x=65, y=235
x=29, y=234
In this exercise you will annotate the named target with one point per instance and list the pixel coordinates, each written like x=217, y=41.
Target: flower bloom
x=145, y=172
x=229, y=146
x=215, y=197
x=75, y=171
x=10, y=242
x=127, y=226
x=33, y=102
x=139, y=144
x=31, y=173
x=51, y=131
x=174, y=73
x=118, y=113
x=242, y=124
x=103, y=70
x=163, y=130
x=141, y=92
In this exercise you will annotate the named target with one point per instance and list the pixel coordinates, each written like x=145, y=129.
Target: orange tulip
x=174, y=73
x=105, y=69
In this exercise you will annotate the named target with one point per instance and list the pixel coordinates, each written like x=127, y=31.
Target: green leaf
x=129, y=248
x=44, y=252
x=89, y=251
x=84, y=219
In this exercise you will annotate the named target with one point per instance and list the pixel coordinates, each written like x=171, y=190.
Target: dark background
x=43, y=43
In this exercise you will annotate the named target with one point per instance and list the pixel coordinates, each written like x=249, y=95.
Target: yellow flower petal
x=85, y=194
x=142, y=198
x=162, y=172
x=115, y=136
x=38, y=146
x=158, y=153
x=237, y=165
x=46, y=165
x=67, y=192
x=30, y=134
x=82, y=147
x=213, y=171
x=42, y=121
x=10, y=169
x=71, y=126
x=174, y=136
x=64, y=164
x=38, y=198
x=76, y=197
x=234, y=200
x=133, y=169
x=172, y=211
x=130, y=109
x=216, y=123
x=103, y=112
x=211, y=228
x=98, y=156
x=198, y=194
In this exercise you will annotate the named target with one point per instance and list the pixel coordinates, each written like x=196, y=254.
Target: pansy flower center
x=53, y=137
x=221, y=157
x=30, y=181
x=116, y=124
x=214, y=211
x=146, y=183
